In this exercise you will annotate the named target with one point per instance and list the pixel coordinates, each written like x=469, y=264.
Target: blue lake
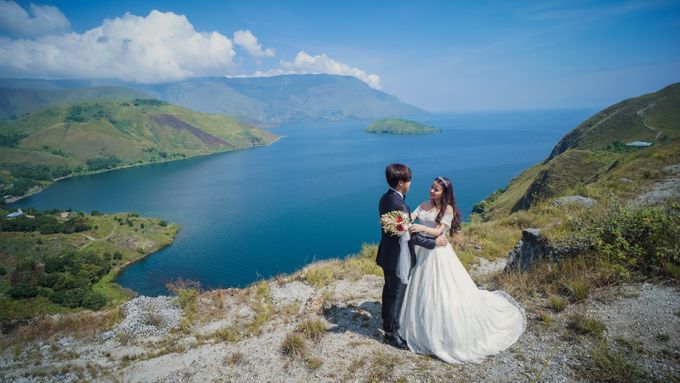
x=312, y=195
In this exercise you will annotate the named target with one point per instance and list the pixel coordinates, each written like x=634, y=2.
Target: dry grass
x=353, y=267
x=228, y=334
x=237, y=358
x=557, y=303
x=293, y=346
x=546, y=318
x=584, y=325
x=611, y=365
x=381, y=367
x=79, y=325
x=491, y=240
x=262, y=306
x=288, y=312
x=313, y=329
x=187, y=294
x=321, y=274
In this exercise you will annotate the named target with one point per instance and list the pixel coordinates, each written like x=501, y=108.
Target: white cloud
x=248, y=41
x=162, y=46
x=42, y=20
x=304, y=63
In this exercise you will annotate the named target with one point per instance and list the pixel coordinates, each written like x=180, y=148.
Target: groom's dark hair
x=397, y=172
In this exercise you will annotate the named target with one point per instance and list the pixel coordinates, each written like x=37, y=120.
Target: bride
x=444, y=313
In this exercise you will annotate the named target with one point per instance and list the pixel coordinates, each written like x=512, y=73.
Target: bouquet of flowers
x=396, y=222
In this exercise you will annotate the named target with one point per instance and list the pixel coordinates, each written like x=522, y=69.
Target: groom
x=399, y=181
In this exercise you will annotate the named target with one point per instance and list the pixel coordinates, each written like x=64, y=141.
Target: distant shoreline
x=10, y=201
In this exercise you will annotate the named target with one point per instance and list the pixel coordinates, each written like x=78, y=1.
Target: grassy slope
x=16, y=102
x=584, y=163
x=125, y=130
x=135, y=132
x=400, y=126
x=132, y=242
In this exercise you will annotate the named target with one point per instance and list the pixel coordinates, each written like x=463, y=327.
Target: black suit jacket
x=388, y=250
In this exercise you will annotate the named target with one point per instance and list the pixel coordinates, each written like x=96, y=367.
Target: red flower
x=399, y=220
x=400, y=227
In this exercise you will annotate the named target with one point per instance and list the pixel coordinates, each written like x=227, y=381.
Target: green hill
x=593, y=159
x=15, y=102
x=400, y=126
x=92, y=136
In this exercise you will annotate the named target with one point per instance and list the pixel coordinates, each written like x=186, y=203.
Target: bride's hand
x=417, y=228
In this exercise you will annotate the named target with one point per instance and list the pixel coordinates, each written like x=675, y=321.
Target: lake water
x=312, y=195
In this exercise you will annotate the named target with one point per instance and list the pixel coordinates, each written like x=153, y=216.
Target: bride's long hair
x=448, y=199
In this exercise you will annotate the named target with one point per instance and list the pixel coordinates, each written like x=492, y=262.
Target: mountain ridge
x=262, y=101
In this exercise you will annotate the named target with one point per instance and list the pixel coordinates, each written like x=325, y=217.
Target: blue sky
x=439, y=55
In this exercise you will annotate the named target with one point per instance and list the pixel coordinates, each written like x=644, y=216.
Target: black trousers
x=392, y=298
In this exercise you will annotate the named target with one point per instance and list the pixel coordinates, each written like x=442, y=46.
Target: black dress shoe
x=395, y=341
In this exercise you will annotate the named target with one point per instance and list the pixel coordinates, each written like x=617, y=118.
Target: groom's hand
x=442, y=241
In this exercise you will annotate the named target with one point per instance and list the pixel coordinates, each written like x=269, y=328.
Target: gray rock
x=148, y=316
x=530, y=250
x=576, y=200
x=108, y=335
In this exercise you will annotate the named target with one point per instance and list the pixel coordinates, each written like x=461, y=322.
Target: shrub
x=17, y=224
x=103, y=163
x=94, y=300
x=629, y=238
x=74, y=225
x=23, y=290
x=69, y=298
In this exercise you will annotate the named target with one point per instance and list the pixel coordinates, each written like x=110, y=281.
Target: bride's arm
x=430, y=231
x=442, y=228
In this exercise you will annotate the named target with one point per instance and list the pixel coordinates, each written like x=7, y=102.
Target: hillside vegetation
x=52, y=261
x=400, y=126
x=593, y=161
x=91, y=136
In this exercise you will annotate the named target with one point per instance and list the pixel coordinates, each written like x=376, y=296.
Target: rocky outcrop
x=576, y=200
x=530, y=250
x=664, y=190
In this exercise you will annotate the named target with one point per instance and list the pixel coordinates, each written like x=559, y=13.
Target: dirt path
x=641, y=114
x=92, y=240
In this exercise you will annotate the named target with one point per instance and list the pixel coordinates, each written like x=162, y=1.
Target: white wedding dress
x=445, y=314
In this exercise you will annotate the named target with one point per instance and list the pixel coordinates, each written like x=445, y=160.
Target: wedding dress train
x=445, y=314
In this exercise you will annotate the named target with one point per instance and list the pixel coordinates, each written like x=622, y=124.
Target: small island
x=400, y=126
